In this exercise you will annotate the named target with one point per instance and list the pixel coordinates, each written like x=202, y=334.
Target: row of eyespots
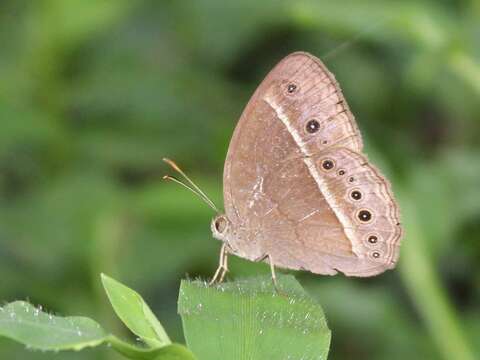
x=328, y=164
x=312, y=126
x=364, y=215
x=373, y=239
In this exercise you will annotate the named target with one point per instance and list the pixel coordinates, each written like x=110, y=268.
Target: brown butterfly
x=298, y=191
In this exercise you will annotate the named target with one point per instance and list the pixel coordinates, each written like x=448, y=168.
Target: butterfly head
x=221, y=227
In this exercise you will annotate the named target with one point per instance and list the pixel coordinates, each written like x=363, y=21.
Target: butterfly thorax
x=239, y=241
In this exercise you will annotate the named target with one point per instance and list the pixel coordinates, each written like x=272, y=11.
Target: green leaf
x=247, y=319
x=22, y=322
x=135, y=313
x=26, y=324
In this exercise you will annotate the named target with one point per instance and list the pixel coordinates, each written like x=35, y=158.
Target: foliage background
x=94, y=94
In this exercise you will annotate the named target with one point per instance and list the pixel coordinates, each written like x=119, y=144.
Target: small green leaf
x=247, y=319
x=135, y=313
x=22, y=322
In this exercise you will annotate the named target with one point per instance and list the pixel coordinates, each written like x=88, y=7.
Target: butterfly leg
x=272, y=270
x=225, y=265
x=222, y=266
x=274, y=277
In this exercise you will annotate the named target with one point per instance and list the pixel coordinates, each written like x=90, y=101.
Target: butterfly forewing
x=316, y=98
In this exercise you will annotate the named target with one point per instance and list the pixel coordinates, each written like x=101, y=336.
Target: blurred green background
x=94, y=93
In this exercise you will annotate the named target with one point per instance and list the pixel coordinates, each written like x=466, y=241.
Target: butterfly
x=298, y=191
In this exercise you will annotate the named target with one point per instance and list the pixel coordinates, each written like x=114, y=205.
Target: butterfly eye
x=291, y=88
x=364, y=215
x=372, y=239
x=312, y=126
x=356, y=195
x=220, y=224
x=328, y=164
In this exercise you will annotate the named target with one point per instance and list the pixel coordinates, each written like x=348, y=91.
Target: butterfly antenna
x=356, y=38
x=179, y=182
x=192, y=187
